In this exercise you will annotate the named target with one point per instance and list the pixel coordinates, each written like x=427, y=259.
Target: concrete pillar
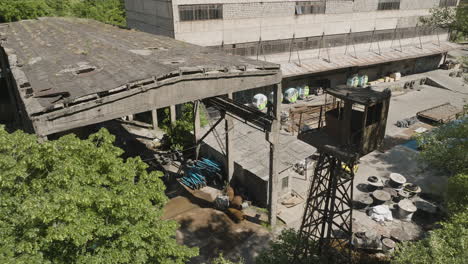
x=172, y=113
x=196, y=127
x=130, y=117
x=229, y=126
x=154, y=118
x=273, y=138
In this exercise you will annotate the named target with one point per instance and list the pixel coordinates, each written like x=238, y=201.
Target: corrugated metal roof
x=73, y=58
x=310, y=63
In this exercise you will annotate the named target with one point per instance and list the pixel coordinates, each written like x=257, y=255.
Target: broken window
x=447, y=3
x=308, y=7
x=200, y=12
x=388, y=5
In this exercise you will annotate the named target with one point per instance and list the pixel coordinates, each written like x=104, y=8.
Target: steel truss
x=326, y=228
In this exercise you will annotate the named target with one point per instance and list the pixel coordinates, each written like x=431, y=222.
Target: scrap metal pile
x=387, y=201
x=200, y=173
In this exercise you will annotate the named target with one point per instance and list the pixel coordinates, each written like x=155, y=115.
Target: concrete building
x=318, y=43
x=307, y=38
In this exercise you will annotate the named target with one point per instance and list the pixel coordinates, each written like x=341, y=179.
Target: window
x=388, y=5
x=446, y=3
x=200, y=12
x=304, y=8
x=284, y=183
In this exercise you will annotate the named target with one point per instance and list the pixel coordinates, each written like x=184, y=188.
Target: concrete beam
x=273, y=138
x=144, y=100
x=172, y=114
x=229, y=126
x=154, y=118
x=196, y=128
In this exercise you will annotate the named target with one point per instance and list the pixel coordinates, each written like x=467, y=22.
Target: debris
x=237, y=202
x=230, y=193
x=236, y=215
x=293, y=200
x=426, y=206
x=381, y=213
x=407, y=122
x=367, y=240
x=221, y=202
x=420, y=130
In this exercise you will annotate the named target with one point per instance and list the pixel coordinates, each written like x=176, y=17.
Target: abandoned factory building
x=318, y=44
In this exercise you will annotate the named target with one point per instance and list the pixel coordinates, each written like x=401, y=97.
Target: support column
x=196, y=127
x=172, y=113
x=273, y=139
x=154, y=118
x=229, y=126
x=130, y=118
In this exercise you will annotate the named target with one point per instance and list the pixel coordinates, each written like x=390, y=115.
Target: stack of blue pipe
x=200, y=174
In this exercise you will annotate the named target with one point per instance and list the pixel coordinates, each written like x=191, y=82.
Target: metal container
x=388, y=245
x=363, y=201
x=380, y=197
x=397, y=180
x=406, y=209
x=374, y=183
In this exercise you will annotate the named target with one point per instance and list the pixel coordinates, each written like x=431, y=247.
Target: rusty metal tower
x=354, y=127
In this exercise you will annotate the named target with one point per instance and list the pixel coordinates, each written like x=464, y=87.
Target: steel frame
x=326, y=227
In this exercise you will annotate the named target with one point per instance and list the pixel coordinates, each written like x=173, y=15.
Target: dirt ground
x=213, y=232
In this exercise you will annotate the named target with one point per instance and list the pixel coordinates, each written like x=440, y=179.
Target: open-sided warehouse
x=67, y=73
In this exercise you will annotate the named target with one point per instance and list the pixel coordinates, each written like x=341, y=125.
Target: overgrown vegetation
x=107, y=11
x=77, y=201
x=446, y=148
x=453, y=19
x=222, y=260
x=180, y=135
x=282, y=249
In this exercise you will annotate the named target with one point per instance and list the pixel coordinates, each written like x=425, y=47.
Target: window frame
x=388, y=5
x=448, y=3
x=200, y=12
x=310, y=7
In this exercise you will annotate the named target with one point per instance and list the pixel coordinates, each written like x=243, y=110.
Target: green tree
x=13, y=10
x=282, y=249
x=446, y=147
x=77, y=201
x=107, y=11
x=448, y=244
x=450, y=18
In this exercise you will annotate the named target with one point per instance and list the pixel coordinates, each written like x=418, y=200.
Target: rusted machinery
x=353, y=129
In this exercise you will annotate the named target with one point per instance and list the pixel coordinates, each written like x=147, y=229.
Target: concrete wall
x=247, y=21
x=152, y=16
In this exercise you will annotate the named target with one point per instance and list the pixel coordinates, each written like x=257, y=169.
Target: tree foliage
x=448, y=244
x=282, y=249
x=77, y=201
x=454, y=19
x=446, y=147
x=107, y=11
